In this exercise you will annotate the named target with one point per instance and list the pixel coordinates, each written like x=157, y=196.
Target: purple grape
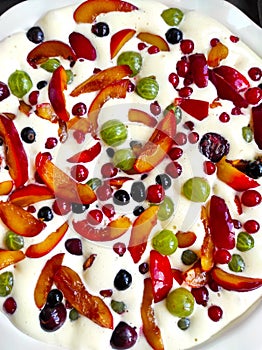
x=214, y=146
x=74, y=246
x=52, y=318
x=123, y=337
x=4, y=91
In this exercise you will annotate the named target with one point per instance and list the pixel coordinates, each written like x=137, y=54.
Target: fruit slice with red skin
x=117, y=89
x=115, y=229
x=61, y=184
x=30, y=194
x=101, y=79
x=161, y=275
x=199, y=69
x=196, y=108
x=50, y=48
x=57, y=85
x=154, y=39
x=49, y=243
x=74, y=291
x=15, y=154
x=235, y=282
x=82, y=46
x=158, y=145
x=118, y=182
x=119, y=39
x=45, y=280
x=141, y=229
x=234, y=78
x=185, y=239
x=221, y=224
x=208, y=248
x=89, y=10
x=87, y=155
x=19, y=220
x=138, y=116
x=233, y=177
x=10, y=257
x=256, y=119
x=6, y=187
x=225, y=91
x=150, y=328
x=45, y=111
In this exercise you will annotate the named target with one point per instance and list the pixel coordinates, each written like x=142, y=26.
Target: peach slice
x=6, y=187
x=40, y=249
x=154, y=39
x=141, y=229
x=217, y=54
x=208, y=247
x=185, y=239
x=30, y=194
x=101, y=79
x=45, y=111
x=91, y=306
x=138, y=116
x=82, y=46
x=90, y=9
x=10, y=257
x=45, y=279
x=119, y=39
x=19, y=220
x=47, y=49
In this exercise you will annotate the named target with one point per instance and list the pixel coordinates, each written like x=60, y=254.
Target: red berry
x=182, y=68
x=188, y=80
x=180, y=139
x=108, y=170
x=201, y=295
x=236, y=111
x=31, y=209
x=185, y=91
x=186, y=46
x=79, y=172
x=33, y=97
x=141, y=46
x=108, y=210
x=193, y=137
x=251, y=226
x=119, y=248
x=94, y=217
x=251, y=198
x=96, y=70
x=51, y=142
x=175, y=153
x=79, y=136
x=189, y=125
x=104, y=192
x=214, y=42
x=253, y=95
x=234, y=38
x=153, y=49
x=215, y=313
x=155, y=108
x=79, y=109
x=237, y=224
x=255, y=73
x=131, y=87
x=209, y=167
x=106, y=293
x=222, y=256
x=224, y=117
x=173, y=79
x=155, y=193
x=9, y=305
x=61, y=207
x=173, y=169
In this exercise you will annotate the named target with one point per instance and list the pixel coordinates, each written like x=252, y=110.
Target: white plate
x=243, y=334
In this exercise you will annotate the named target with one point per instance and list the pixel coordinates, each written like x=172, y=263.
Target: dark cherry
x=33, y=97
x=222, y=256
x=186, y=46
x=79, y=172
x=94, y=217
x=182, y=68
x=209, y=167
x=121, y=197
x=108, y=210
x=155, y=193
x=164, y=180
x=52, y=318
x=35, y=34
x=251, y=226
x=4, y=91
x=45, y=213
x=138, y=191
x=255, y=73
x=174, y=169
x=251, y=198
x=100, y=29
x=54, y=297
x=214, y=146
x=74, y=246
x=174, y=36
x=123, y=337
x=10, y=305
x=175, y=153
x=173, y=78
x=28, y=135
x=123, y=280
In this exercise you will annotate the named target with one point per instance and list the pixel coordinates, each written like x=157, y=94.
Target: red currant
x=224, y=117
x=141, y=46
x=173, y=169
x=234, y=38
x=104, y=192
x=214, y=42
x=193, y=137
x=215, y=313
x=182, y=68
x=173, y=79
x=185, y=91
x=209, y=167
x=108, y=210
x=119, y=248
x=180, y=139
x=153, y=49
x=79, y=172
x=189, y=125
x=175, y=153
x=108, y=170
x=222, y=256
x=61, y=207
x=106, y=293
x=155, y=193
x=186, y=46
x=51, y=142
x=79, y=109
x=10, y=305
x=31, y=209
x=253, y=95
x=255, y=73
x=251, y=226
x=251, y=198
x=155, y=108
x=94, y=217
x=33, y=97
x=236, y=111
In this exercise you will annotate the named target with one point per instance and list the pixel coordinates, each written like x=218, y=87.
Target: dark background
x=253, y=8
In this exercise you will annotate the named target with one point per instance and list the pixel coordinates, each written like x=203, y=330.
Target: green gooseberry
x=166, y=209
x=176, y=110
x=237, y=263
x=113, y=132
x=14, y=241
x=6, y=283
x=245, y=241
x=165, y=242
x=20, y=83
x=124, y=159
x=196, y=189
x=172, y=16
x=94, y=183
x=51, y=65
x=132, y=59
x=247, y=134
x=147, y=88
x=180, y=302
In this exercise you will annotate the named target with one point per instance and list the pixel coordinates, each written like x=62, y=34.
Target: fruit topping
x=30, y=194
x=35, y=34
x=132, y=59
x=174, y=36
x=196, y=108
x=4, y=91
x=172, y=16
x=52, y=318
x=199, y=69
x=82, y=46
x=214, y=146
x=119, y=39
x=217, y=53
x=154, y=39
x=256, y=119
x=123, y=337
x=100, y=29
x=6, y=283
x=180, y=302
x=196, y=189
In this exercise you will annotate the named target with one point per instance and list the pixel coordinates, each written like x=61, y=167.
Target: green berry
x=172, y=16
x=245, y=241
x=14, y=241
x=147, y=88
x=189, y=257
x=132, y=59
x=165, y=242
x=237, y=263
x=51, y=65
x=124, y=159
x=180, y=302
x=20, y=83
x=70, y=76
x=176, y=110
x=6, y=283
x=94, y=183
x=196, y=189
x=247, y=134
x=73, y=315
x=113, y=132
x=118, y=306
x=166, y=209
x=183, y=323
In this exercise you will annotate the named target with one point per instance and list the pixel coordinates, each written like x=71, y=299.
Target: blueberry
x=254, y=169
x=123, y=337
x=45, y=214
x=138, y=191
x=28, y=135
x=110, y=152
x=214, y=146
x=122, y=280
x=174, y=36
x=41, y=84
x=54, y=297
x=121, y=197
x=138, y=210
x=100, y=29
x=35, y=34
x=164, y=180
x=79, y=208
x=52, y=318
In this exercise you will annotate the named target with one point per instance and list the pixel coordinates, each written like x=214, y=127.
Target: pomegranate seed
x=185, y=91
x=10, y=305
x=74, y=246
x=79, y=109
x=238, y=204
x=33, y=97
x=253, y=95
x=173, y=79
x=173, y=169
x=182, y=68
x=94, y=217
x=222, y=256
x=108, y=210
x=209, y=167
x=193, y=137
x=155, y=193
x=131, y=87
x=79, y=172
x=51, y=142
x=104, y=192
x=108, y=170
x=236, y=111
x=251, y=198
x=141, y=46
x=214, y=42
x=175, y=153
x=155, y=108
x=96, y=70
x=31, y=209
x=188, y=80
x=79, y=136
x=153, y=49
x=61, y=207
x=251, y=226
x=106, y=293
x=237, y=224
x=119, y=248
x=215, y=313
x=143, y=268
x=224, y=117
x=180, y=139
x=186, y=46
x=201, y=295
x=255, y=73
x=4, y=91
x=234, y=38
x=189, y=125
